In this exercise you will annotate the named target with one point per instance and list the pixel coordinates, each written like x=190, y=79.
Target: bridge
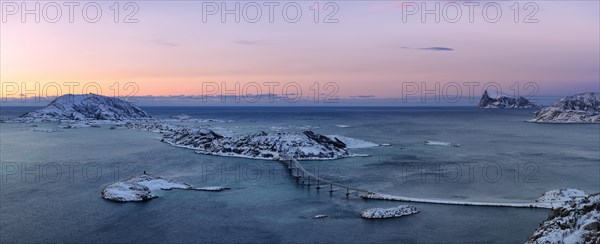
x=306, y=178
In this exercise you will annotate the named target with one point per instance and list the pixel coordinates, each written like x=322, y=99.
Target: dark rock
x=504, y=102
x=325, y=140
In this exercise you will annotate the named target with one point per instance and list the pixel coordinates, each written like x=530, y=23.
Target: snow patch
x=127, y=192
x=441, y=143
x=558, y=198
x=211, y=188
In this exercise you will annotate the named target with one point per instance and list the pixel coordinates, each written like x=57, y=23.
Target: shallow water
x=51, y=182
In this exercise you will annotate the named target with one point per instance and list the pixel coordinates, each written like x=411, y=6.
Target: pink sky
x=172, y=52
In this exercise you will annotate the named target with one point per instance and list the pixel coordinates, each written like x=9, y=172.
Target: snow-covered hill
x=305, y=145
x=86, y=107
x=580, y=108
x=504, y=102
x=576, y=222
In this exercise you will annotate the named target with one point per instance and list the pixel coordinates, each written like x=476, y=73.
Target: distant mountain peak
x=88, y=107
x=504, y=102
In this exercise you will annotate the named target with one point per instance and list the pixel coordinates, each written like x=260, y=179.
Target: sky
x=372, y=50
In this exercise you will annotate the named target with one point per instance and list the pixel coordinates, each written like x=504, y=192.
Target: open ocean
x=51, y=182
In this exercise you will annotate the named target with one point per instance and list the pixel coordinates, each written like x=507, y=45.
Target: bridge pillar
x=318, y=184
x=330, y=187
x=347, y=192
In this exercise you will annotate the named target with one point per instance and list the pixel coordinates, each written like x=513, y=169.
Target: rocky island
x=504, y=102
x=580, y=108
x=86, y=107
x=384, y=213
x=306, y=145
x=140, y=188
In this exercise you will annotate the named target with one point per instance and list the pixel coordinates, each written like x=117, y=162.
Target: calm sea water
x=51, y=182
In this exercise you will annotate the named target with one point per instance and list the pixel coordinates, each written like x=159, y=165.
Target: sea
x=51, y=181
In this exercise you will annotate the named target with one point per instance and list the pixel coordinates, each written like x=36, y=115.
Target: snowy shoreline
x=140, y=188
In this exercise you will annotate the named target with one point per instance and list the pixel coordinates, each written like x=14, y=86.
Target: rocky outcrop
x=127, y=192
x=504, y=102
x=87, y=107
x=580, y=108
x=325, y=140
x=384, y=213
x=577, y=221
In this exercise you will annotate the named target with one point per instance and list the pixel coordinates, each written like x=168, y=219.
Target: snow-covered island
x=306, y=145
x=384, y=213
x=580, y=108
x=91, y=110
x=85, y=107
x=577, y=221
x=140, y=188
x=504, y=102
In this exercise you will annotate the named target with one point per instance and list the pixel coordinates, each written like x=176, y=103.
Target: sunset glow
x=171, y=51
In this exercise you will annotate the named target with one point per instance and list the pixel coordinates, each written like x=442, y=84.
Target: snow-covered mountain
x=87, y=107
x=300, y=145
x=576, y=222
x=504, y=102
x=580, y=108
